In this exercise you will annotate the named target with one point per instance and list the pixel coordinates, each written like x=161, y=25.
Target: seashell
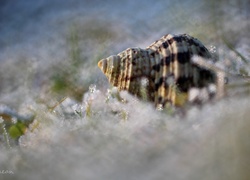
x=162, y=73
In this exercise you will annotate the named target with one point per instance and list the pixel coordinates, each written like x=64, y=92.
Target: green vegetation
x=17, y=130
x=65, y=77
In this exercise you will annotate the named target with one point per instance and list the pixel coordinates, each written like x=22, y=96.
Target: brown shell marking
x=163, y=72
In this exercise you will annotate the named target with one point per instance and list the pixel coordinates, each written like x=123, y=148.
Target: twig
x=230, y=46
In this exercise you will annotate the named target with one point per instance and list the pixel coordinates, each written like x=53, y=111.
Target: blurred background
x=49, y=51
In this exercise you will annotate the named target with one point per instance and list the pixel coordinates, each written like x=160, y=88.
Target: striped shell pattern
x=163, y=72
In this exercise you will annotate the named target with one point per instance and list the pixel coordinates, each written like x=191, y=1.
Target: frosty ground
x=49, y=52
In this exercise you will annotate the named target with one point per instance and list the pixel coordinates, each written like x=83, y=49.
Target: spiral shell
x=163, y=72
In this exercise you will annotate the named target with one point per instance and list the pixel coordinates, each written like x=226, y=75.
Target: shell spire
x=110, y=67
x=102, y=64
x=163, y=72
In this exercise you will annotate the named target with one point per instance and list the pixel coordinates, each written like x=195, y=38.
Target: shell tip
x=100, y=64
